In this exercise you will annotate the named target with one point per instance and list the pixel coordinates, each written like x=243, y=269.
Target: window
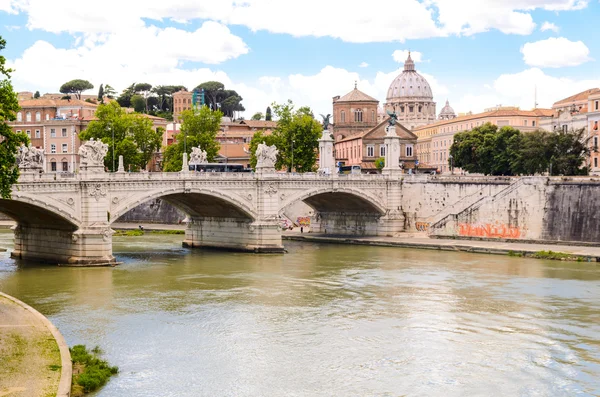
x=52, y=133
x=358, y=116
x=19, y=131
x=19, y=116
x=37, y=133
x=38, y=116
x=370, y=150
x=64, y=132
x=342, y=116
x=65, y=148
x=53, y=166
x=47, y=117
x=372, y=115
x=533, y=123
x=381, y=150
x=53, y=149
x=401, y=109
x=595, y=143
x=411, y=109
x=596, y=105
x=420, y=109
x=28, y=132
x=596, y=162
x=65, y=166
x=409, y=151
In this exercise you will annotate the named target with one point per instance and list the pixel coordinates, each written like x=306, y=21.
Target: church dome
x=409, y=84
x=447, y=112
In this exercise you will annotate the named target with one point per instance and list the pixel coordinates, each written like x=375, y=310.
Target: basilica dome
x=409, y=84
x=447, y=112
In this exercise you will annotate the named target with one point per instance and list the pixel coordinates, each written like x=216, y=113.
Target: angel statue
x=326, y=122
x=266, y=156
x=198, y=156
x=393, y=118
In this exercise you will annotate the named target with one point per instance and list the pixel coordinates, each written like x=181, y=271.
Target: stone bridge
x=67, y=219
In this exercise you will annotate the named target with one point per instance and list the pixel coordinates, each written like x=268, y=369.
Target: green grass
x=557, y=256
x=168, y=232
x=137, y=232
x=517, y=254
x=96, y=371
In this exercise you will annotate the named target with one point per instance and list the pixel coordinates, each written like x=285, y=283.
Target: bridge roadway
x=66, y=219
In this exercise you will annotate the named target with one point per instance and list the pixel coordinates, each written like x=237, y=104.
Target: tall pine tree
x=101, y=93
x=268, y=116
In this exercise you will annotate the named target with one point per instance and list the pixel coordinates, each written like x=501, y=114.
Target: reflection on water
x=325, y=320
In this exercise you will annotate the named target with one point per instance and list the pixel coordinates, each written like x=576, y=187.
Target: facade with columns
x=411, y=98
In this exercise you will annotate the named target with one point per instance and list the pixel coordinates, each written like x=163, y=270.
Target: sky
x=474, y=53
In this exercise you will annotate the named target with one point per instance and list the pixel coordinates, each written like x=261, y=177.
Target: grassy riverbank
x=138, y=232
x=89, y=371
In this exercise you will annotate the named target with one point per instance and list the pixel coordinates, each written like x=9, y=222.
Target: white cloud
x=417, y=19
x=402, y=55
x=8, y=6
x=555, y=52
x=519, y=89
x=549, y=26
x=363, y=65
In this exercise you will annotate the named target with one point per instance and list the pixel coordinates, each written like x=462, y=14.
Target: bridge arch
x=196, y=202
x=344, y=200
x=31, y=211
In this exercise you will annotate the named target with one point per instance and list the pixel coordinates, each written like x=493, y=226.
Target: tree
x=212, y=89
x=218, y=98
x=268, y=116
x=125, y=98
x=531, y=153
x=101, y=93
x=76, y=87
x=36, y=95
x=138, y=103
x=296, y=138
x=570, y=150
x=380, y=163
x=198, y=129
x=134, y=138
x=109, y=92
x=257, y=116
x=144, y=89
x=9, y=140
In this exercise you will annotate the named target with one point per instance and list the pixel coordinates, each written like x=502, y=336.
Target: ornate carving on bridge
x=92, y=155
x=70, y=201
x=271, y=189
x=198, y=156
x=266, y=157
x=30, y=158
x=97, y=191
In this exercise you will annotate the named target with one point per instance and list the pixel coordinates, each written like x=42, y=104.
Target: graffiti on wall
x=422, y=226
x=490, y=230
x=303, y=221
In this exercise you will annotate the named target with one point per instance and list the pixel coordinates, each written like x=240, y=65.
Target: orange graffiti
x=303, y=220
x=422, y=226
x=489, y=230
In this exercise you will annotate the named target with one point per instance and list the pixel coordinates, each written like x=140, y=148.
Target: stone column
x=326, y=158
x=392, y=152
x=185, y=168
x=121, y=168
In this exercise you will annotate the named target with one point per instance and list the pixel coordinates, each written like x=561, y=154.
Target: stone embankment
x=35, y=359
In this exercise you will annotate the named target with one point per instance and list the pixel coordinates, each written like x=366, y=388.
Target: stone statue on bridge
x=326, y=121
x=198, y=156
x=30, y=157
x=266, y=156
x=92, y=153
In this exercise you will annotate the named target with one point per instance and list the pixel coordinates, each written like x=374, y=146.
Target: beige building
x=182, y=100
x=569, y=113
x=594, y=132
x=434, y=140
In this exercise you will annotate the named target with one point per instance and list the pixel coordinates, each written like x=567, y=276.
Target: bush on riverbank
x=557, y=256
x=137, y=232
x=89, y=371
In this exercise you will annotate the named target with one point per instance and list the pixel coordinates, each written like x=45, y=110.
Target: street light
x=292, y=169
x=451, y=164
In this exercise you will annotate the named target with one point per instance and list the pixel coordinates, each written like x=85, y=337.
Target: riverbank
x=35, y=357
x=421, y=241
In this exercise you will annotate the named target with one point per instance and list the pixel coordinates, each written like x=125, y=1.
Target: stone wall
x=154, y=211
x=529, y=208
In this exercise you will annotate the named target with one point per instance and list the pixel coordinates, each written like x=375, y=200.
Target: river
x=324, y=320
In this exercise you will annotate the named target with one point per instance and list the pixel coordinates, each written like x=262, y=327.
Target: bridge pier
x=64, y=247
x=235, y=234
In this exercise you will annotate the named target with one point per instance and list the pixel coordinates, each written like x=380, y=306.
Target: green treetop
x=134, y=137
x=198, y=129
x=9, y=141
x=76, y=87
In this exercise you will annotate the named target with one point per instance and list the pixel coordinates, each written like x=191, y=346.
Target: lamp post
x=292, y=168
x=113, y=147
x=451, y=164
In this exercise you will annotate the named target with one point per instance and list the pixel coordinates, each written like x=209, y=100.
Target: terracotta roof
x=494, y=113
x=582, y=96
x=260, y=123
x=400, y=130
x=45, y=103
x=148, y=116
x=356, y=96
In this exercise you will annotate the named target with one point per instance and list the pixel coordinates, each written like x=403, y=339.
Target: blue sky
x=476, y=53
